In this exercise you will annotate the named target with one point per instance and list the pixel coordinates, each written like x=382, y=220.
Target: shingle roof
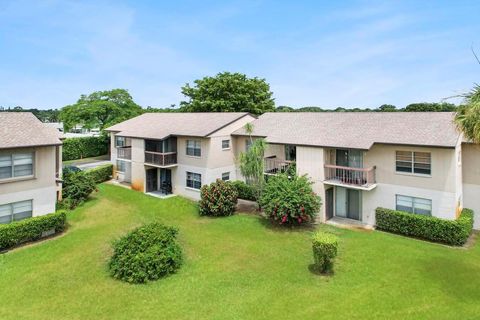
x=162, y=125
x=23, y=129
x=358, y=130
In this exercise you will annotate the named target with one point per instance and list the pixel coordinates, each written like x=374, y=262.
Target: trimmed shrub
x=324, y=247
x=452, y=232
x=101, y=173
x=146, y=254
x=79, y=148
x=77, y=186
x=218, y=199
x=244, y=191
x=290, y=200
x=31, y=229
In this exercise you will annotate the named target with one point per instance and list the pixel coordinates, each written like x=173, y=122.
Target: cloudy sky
x=322, y=53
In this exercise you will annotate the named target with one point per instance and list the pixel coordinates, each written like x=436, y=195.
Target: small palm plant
x=467, y=118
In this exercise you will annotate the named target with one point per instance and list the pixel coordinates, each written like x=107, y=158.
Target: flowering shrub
x=290, y=200
x=324, y=250
x=218, y=199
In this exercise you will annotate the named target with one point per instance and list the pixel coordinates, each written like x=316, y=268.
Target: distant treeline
x=52, y=115
x=413, y=107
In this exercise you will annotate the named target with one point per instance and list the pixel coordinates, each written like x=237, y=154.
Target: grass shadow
x=314, y=270
x=277, y=227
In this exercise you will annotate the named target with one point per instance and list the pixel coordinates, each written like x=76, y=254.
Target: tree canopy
x=228, y=92
x=100, y=109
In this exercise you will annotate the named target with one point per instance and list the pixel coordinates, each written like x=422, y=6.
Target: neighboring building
x=30, y=167
x=56, y=125
x=414, y=162
x=164, y=153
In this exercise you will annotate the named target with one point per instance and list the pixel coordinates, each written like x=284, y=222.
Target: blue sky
x=322, y=53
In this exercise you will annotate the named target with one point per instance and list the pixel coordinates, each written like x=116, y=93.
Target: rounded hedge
x=146, y=254
x=324, y=247
x=289, y=200
x=218, y=199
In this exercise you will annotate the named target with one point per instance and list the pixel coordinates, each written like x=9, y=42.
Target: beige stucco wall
x=42, y=188
x=471, y=179
x=310, y=161
x=443, y=175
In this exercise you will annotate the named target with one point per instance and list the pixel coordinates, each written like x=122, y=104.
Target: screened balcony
x=161, y=153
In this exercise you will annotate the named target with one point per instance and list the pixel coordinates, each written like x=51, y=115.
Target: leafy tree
x=252, y=165
x=284, y=109
x=310, y=109
x=430, y=107
x=100, y=109
x=228, y=92
x=387, y=108
x=467, y=118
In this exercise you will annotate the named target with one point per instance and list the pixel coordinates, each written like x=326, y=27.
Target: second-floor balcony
x=358, y=178
x=161, y=159
x=124, y=153
x=276, y=165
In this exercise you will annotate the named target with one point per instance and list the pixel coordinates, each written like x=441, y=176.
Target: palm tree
x=252, y=161
x=467, y=118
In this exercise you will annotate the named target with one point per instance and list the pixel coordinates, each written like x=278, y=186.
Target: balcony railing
x=275, y=166
x=161, y=159
x=124, y=153
x=359, y=177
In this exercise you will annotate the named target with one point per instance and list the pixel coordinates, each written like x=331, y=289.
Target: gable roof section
x=23, y=129
x=161, y=125
x=357, y=130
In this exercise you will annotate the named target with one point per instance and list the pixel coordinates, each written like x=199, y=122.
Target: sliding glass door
x=348, y=203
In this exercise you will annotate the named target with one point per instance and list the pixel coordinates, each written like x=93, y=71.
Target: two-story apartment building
x=415, y=162
x=30, y=167
x=163, y=153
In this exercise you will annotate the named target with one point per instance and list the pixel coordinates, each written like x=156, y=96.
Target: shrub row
x=78, y=148
x=453, y=232
x=31, y=229
x=145, y=254
x=244, y=191
x=76, y=188
x=101, y=173
x=324, y=247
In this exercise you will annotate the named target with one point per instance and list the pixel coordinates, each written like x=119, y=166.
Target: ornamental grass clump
x=218, y=199
x=290, y=200
x=324, y=250
x=145, y=254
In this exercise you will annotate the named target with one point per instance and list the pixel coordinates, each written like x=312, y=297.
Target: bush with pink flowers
x=290, y=200
x=218, y=199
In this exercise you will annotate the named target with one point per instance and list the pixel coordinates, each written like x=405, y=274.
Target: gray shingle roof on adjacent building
x=162, y=125
x=357, y=130
x=23, y=129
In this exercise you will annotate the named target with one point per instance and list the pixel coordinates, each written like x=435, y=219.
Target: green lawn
x=235, y=268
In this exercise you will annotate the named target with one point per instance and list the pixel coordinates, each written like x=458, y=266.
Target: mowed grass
x=238, y=267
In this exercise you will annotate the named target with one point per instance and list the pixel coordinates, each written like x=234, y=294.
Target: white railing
x=275, y=166
x=362, y=177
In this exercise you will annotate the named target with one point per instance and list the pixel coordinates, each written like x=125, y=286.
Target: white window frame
x=124, y=164
x=195, y=178
x=12, y=165
x=412, y=163
x=228, y=144
x=196, y=148
x=121, y=145
x=414, y=201
x=226, y=175
x=12, y=208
